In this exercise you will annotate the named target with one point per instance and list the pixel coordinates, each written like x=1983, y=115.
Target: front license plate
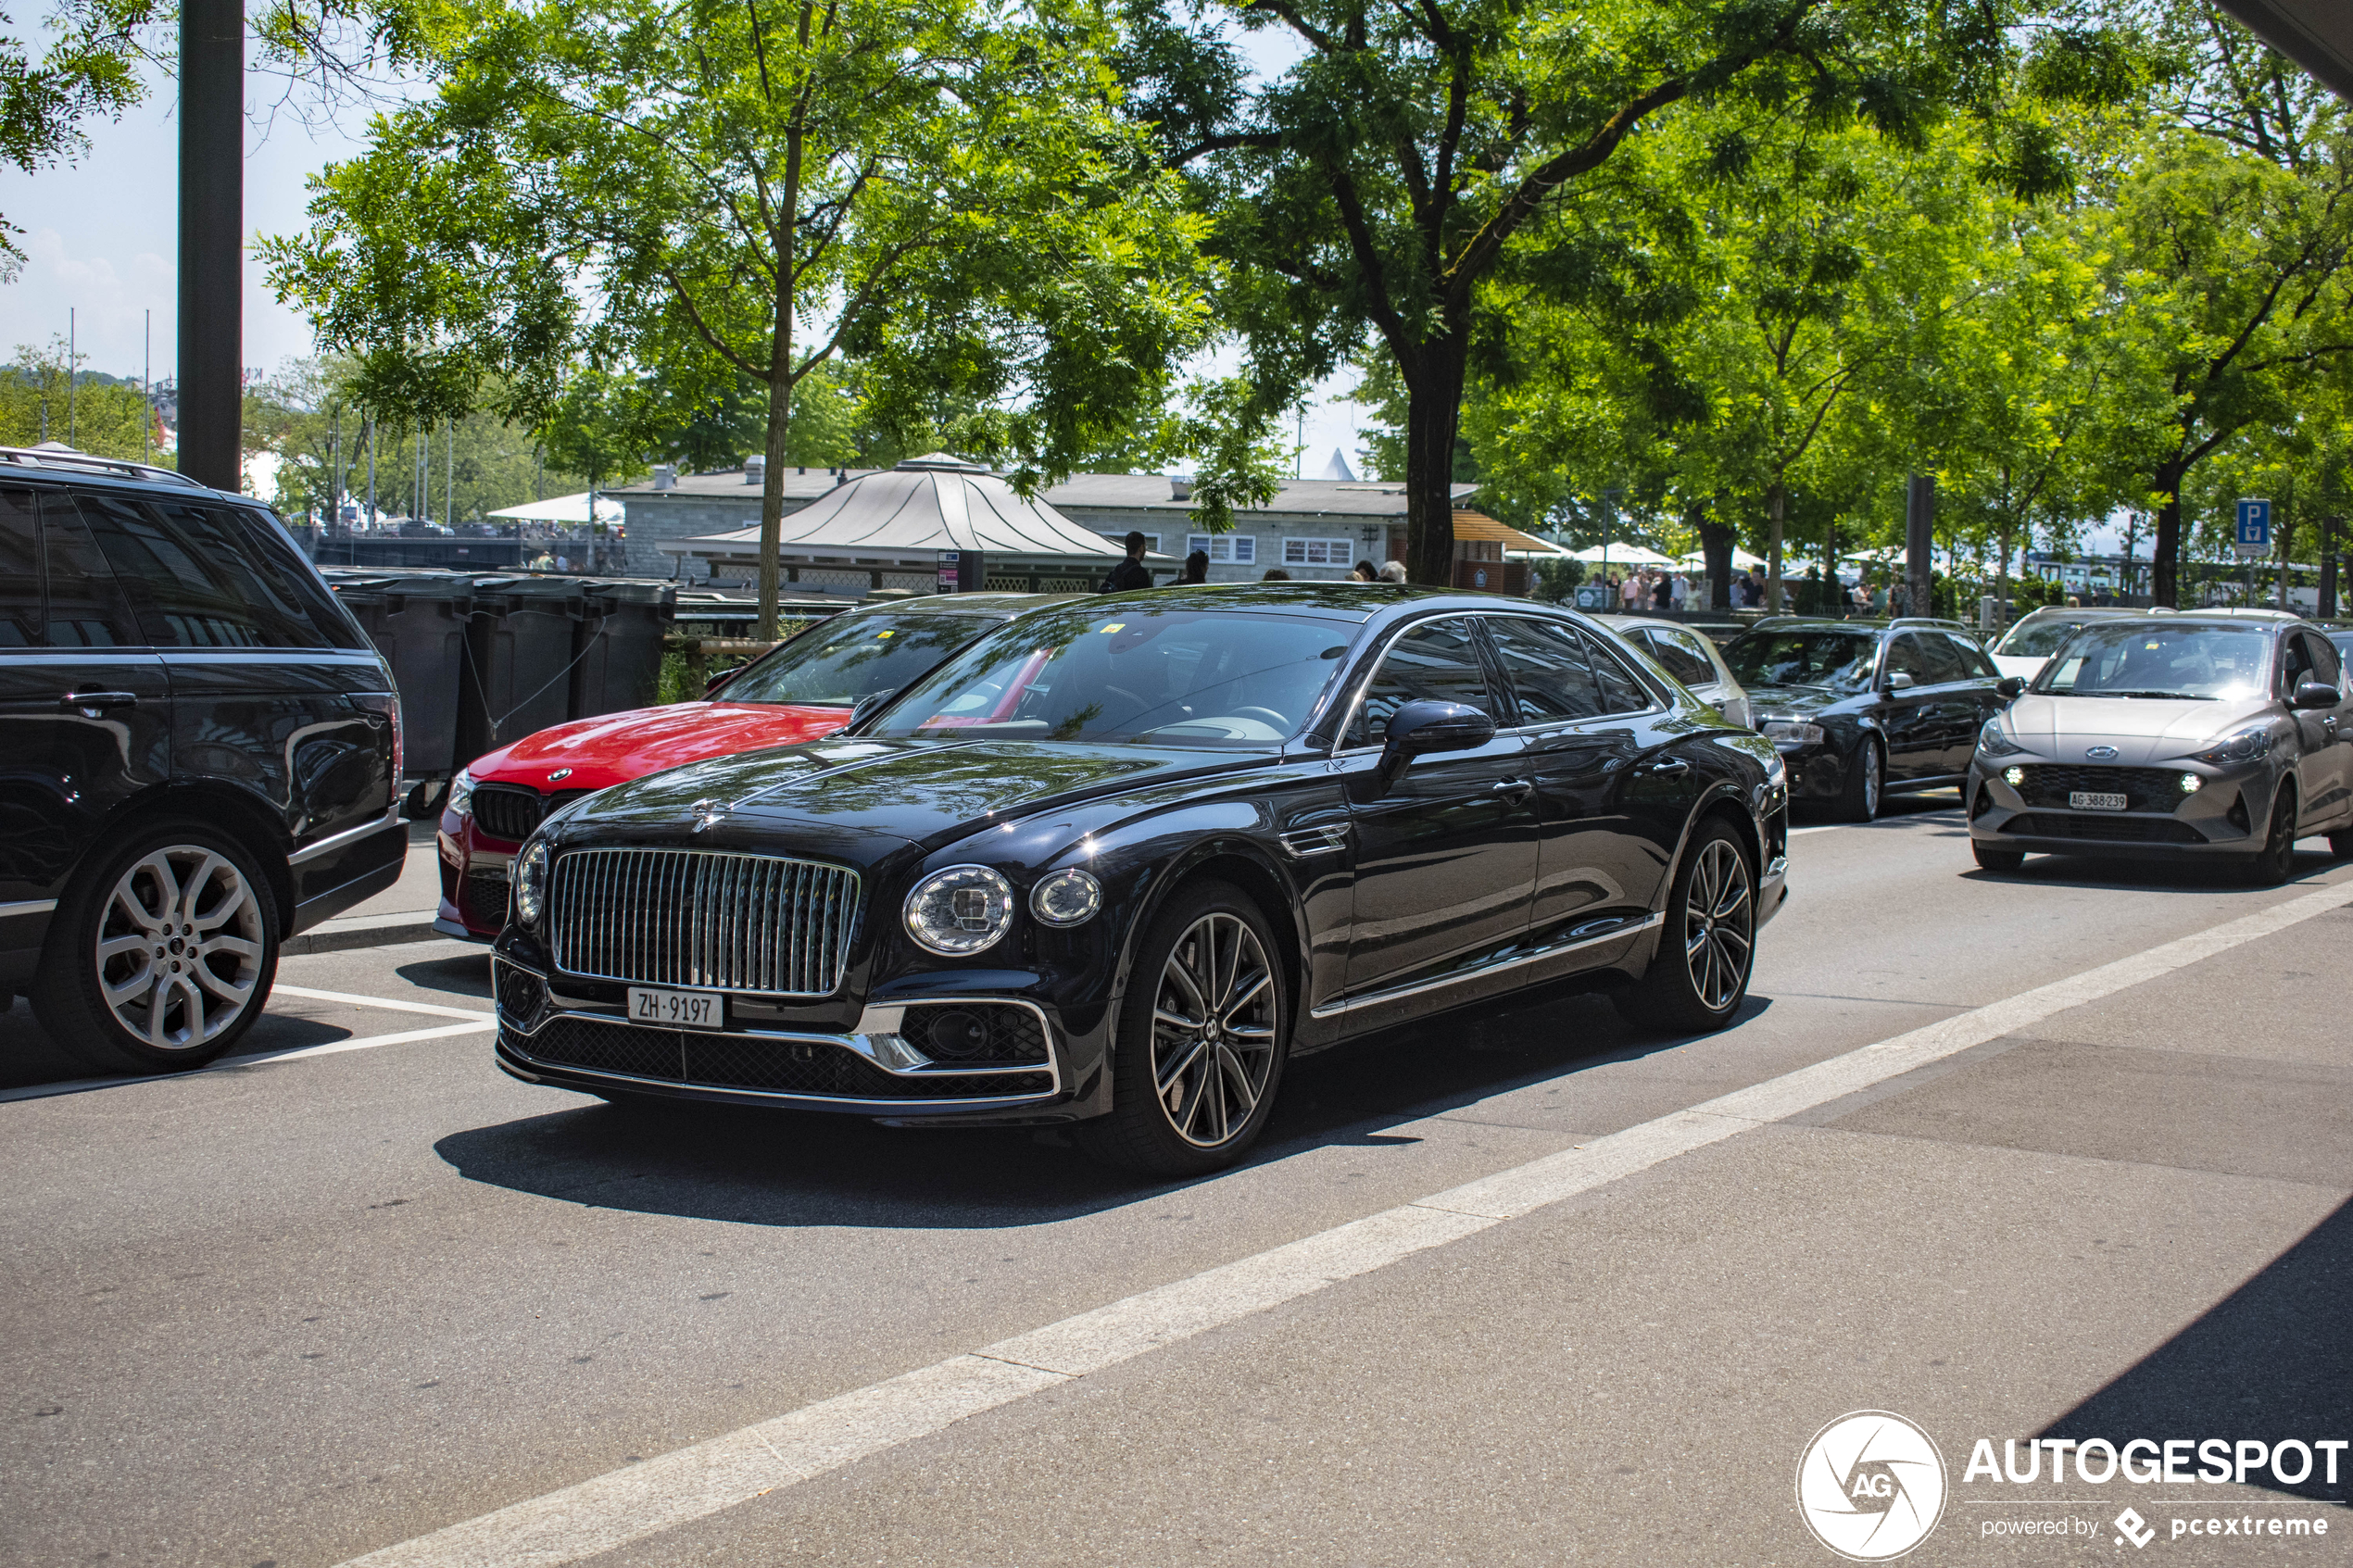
x=2087, y=800
x=677, y=1010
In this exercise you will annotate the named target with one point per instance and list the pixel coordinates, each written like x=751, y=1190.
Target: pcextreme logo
x=1871, y=1486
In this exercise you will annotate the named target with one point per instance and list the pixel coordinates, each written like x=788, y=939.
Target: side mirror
x=2314, y=694
x=2011, y=687
x=710, y=687
x=867, y=707
x=1424, y=728
x=1899, y=682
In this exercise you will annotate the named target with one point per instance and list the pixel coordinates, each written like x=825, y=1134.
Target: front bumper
x=474, y=868
x=2217, y=819
x=574, y=1034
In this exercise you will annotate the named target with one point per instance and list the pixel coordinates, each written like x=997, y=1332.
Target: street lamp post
x=212, y=172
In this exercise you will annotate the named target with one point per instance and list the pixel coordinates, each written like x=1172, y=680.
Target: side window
x=20, y=607
x=1682, y=657
x=289, y=577
x=1944, y=661
x=1905, y=658
x=1622, y=691
x=1550, y=670
x=1975, y=665
x=202, y=587
x=87, y=606
x=1437, y=660
x=2295, y=663
x=2324, y=661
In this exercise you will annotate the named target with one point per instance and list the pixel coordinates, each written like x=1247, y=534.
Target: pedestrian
x=1365, y=571
x=1393, y=572
x=563, y=563
x=1196, y=568
x=1630, y=592
x=1131, y=572
x=1276, y=575
x=1680, y=591
x=1662, y=593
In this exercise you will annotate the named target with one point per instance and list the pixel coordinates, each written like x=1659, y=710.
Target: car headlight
x=1791, y=730
x=1992, y=742
x=462, y=794
x=1068, y=897
x=531, y=881
x=960, y=910
x=2247, y=746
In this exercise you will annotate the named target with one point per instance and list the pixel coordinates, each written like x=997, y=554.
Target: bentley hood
x=2142, y=730
x=860, y=800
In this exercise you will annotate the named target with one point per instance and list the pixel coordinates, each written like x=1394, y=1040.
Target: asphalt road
x=339, y=1296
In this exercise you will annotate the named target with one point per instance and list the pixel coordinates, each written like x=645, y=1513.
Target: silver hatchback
x=2175, y=736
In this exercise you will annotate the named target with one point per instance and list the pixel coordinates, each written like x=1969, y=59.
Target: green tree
x=725, y=192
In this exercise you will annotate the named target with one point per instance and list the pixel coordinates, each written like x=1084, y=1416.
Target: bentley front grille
x=755, y=924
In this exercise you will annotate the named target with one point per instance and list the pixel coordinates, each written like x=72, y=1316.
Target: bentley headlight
x=462, y=794
x=1790, y=732
x=2249, y=745
x=1993, y=743
x=531, y=881
x=1068, y=897
x=960, y=910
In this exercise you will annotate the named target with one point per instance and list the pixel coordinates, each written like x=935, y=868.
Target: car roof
x=54, y=459
x=2055, y=612
x=1000, y=606
x=1349, y=601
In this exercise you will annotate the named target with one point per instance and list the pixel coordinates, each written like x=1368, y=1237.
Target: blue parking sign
x=2254, y=538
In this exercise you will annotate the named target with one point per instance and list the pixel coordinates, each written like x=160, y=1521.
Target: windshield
x=1170, y=677
x=2036, y=639
x=2128, y=658
x=838, y=662
x=1842, y=661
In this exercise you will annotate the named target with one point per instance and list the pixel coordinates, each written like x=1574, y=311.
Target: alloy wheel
x=1214, y=1029
x=1870, y=780
x=1719, y=919
x=179, y=948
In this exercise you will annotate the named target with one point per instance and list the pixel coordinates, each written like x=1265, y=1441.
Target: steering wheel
x=1265, y=715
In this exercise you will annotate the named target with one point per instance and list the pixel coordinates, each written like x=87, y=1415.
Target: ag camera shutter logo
x=1871, y=1486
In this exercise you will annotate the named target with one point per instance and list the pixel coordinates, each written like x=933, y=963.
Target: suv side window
x=203, y=586
x=1905, y=658
x=1437, y=660
x=1944, y=661
x=280, y=562
x=1622, y=691
x=2295, y=663
x=1975, y=665
x=1550, y=671
x=21, y=612
x=87, y=606
x=2325, y=666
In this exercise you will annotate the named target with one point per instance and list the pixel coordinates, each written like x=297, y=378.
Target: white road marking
x=355, y=1000
x=626, y=1505
x=256, y=1059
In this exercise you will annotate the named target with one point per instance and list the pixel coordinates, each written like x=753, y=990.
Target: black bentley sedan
x=1116, y=861
x=1858, y=709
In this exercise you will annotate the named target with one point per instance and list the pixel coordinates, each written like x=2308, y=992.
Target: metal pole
x=212, y=167
x=147, y=393
x=449, y=472
x=1920, y=521
x=372, y=471
x=72, y=434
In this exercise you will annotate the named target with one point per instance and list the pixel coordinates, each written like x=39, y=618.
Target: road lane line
x=356, y=1000
x=333, y=1047
x=611, y=1511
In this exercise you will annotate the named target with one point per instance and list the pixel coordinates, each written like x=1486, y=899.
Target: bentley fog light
x=960, y=910
x=2192, y=784
x=2247, y=746
x=531, y=881
x=1068, y=897
x=2013, y=776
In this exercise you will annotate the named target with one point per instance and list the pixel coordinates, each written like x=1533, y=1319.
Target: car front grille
x=2146, y=789
x=2112, y=830
x=513, y=813
x=736, y=1061
x=755, y=924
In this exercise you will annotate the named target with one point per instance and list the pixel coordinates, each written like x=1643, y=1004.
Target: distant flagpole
x=147, y=395
x=70, y=434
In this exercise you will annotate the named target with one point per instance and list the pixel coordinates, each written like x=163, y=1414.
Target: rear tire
x=163, y=954
x=2002, y=862
x=1204, y=1030
x=1859, y=796
x=1708, y=946
x=2275, y=862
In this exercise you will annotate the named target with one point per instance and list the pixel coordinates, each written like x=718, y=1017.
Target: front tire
x=2275, y=862
x=2002, y=862
x=163, y=956
x=1707, y=948
x=1204, y=1030
x=1858, y=798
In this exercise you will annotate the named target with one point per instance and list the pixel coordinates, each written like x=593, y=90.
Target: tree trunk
x=1775, y=495
x=771, y=498
x=2002, y=580
x=2166, y=549
x=1716, y=544
x=1433, y=419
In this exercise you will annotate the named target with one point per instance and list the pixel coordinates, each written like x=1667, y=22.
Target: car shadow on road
x=775, y=1168
x=2170, y=876
x=2271, y=1360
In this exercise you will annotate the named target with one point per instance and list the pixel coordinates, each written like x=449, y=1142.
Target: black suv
x=1859, y=708
x=199, y=757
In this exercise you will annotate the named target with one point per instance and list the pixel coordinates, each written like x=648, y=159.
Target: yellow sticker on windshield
x=882, y=633
x=2150, y=646
x=1114, y=626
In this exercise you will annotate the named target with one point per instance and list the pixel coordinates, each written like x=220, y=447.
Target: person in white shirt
x=1630, y=592
x=1682, y=589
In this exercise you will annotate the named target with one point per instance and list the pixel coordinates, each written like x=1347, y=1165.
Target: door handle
x=1514, y=790
x=96, y=702
x=1668, y=766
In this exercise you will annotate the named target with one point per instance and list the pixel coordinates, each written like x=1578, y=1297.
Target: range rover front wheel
x=1203, y=1033
x=163, y=956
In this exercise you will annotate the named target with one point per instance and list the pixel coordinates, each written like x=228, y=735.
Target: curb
x=376, y=931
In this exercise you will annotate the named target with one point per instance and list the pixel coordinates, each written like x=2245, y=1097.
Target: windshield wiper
x=2168, y=697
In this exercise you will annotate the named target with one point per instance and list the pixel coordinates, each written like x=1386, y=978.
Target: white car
x=1688, y=656
x=2038, y=633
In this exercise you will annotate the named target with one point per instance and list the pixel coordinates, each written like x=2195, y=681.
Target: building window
x=1319, y=552
x=1152, y=541
x=1225, y=550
